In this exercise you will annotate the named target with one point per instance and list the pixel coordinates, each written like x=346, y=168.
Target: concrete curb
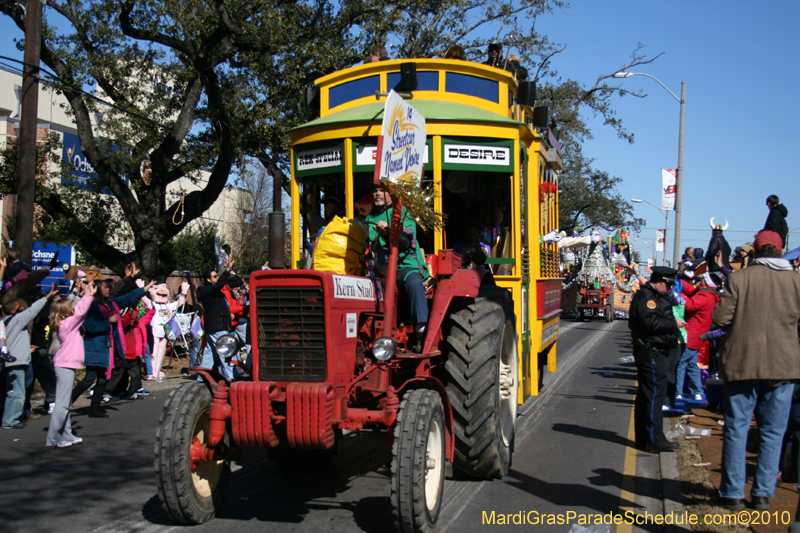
x=671, y=490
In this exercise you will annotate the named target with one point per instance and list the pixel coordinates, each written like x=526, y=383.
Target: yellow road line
x=628, y=472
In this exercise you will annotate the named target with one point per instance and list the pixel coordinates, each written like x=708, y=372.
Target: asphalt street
x=570, y=456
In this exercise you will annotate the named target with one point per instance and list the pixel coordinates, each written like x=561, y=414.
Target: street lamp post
x=666, y=227
x=676, y=250
x=654, y=248
x=786, y=244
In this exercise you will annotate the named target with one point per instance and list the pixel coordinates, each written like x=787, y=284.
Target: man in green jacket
x=411, y=267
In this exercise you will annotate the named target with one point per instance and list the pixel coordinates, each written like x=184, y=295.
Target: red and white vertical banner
x=661, y=235
x=651, y=262
x=668, y=176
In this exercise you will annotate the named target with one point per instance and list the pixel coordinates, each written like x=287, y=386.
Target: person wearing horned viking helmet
x=718, y=244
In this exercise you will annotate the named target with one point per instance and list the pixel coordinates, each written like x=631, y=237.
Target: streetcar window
x=478, y=205
x=313, y=189
x=472, y=86
x=352, y=90
x=362, y=185
x=426, y=80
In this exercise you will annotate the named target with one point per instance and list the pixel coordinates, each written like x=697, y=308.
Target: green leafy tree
x=9, y=162
x=588, y=197
x=193, y=248
x=199, y=86
x=252, y=250
x=194, y=86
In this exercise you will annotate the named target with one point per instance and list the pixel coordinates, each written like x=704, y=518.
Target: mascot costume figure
x=165, y=311
x=718, y=243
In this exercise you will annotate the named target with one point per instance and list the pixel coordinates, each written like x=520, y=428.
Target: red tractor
x=595, y=302
x=334, y=352
x=322, y=365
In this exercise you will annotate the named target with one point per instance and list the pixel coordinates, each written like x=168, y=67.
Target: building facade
x=227, y=213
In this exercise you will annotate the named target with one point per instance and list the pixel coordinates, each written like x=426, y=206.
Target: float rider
x=412, y=271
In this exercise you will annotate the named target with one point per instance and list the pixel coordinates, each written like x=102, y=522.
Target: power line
x=709, y=229
x=68, y=87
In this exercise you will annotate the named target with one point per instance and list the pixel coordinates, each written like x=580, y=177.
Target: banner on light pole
x=668, y=188
x=661, y=235
x=651, y=262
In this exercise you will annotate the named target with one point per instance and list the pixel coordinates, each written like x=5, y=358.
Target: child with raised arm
x=19, y=346
x=65, y=321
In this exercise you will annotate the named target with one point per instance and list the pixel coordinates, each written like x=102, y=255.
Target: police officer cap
x=662, y=273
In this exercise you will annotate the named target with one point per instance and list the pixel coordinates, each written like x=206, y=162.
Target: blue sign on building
x=43, y=253
x=82, y=172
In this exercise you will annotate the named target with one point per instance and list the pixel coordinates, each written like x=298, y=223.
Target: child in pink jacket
x=66, y=322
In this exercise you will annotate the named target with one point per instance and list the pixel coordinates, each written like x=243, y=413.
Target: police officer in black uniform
x=654, y=331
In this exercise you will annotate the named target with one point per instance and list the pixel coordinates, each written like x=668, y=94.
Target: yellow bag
x=340, y=247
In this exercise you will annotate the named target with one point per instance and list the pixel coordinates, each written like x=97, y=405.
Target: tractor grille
x=291, y=334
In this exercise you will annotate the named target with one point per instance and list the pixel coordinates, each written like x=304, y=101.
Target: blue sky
x=739, y=62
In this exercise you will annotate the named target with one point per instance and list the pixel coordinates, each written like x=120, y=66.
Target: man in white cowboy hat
x=718, y=244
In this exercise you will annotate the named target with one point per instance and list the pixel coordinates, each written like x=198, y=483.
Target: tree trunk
x=151, y=261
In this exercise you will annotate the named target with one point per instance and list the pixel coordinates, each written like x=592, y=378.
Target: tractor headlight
x=384, y=348
x=227, y=346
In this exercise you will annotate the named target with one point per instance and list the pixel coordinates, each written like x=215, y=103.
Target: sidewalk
x=84, y=400
x=697, y=466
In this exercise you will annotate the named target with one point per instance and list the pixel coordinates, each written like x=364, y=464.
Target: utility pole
x=277, y=219
x=666, y=233
x=23, y=241
x=676, y=249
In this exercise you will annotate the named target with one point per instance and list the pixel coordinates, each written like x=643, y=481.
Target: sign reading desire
x=477, y=154
x=404, y=138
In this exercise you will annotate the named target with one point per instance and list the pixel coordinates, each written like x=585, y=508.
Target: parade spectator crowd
x=730, y=317
x=103, y=338
x=725, y=314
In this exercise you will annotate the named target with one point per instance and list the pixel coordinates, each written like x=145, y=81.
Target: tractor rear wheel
x=418, y=456
x=189, y=495
x=482, y=382
x=609, y=313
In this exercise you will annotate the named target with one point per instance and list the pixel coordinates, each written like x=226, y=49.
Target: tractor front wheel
x=190, y=494
x=418, y=456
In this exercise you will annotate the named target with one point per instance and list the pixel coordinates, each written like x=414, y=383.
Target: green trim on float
x=430, y=109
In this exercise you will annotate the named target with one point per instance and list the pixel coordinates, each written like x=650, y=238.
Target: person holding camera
x=216, y=318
